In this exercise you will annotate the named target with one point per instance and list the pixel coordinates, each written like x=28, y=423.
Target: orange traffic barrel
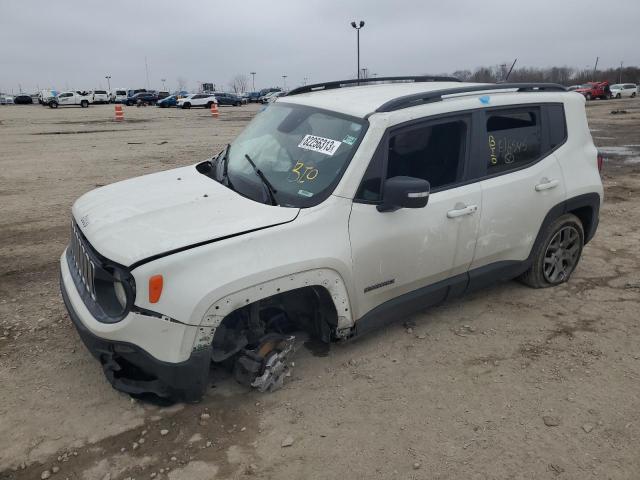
x=119, y=113
x=214, y=110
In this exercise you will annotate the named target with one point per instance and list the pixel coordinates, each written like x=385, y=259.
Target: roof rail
x=347, y=83
x=436, y=95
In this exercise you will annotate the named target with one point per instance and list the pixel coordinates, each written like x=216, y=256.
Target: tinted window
x=371, y=185
x=514, y=138
x=557, y=125
x=432, y=152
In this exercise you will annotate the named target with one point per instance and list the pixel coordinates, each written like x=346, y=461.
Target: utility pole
x=146, y=67
x=253, y=80
x=595, y=67
x=108, y=77
x=620, y=75
x=358, y=27
x=511, y=69
x=284, y=83
x=163, y=87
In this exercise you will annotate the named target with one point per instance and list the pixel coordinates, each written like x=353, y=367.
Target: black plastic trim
x=364, y=81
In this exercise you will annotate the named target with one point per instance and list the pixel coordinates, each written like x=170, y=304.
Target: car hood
x=131, y=221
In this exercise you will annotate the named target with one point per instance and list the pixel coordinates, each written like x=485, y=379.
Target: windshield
x=302, y=151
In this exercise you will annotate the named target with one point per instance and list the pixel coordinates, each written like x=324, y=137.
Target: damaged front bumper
x=132, y=369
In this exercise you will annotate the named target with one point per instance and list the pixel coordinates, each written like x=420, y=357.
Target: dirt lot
x=466, y=393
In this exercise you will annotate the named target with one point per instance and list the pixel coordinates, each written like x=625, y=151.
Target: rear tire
x=618, y=96
x=84, y=104
x=633, y=95
x=556, y=257
x=588, y=96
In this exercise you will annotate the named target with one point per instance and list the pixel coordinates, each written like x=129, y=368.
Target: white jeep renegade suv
x=339, y=208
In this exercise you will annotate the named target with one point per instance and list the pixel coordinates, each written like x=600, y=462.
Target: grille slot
x=82, y=261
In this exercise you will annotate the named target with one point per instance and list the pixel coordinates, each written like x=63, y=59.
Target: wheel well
x=585, y=215
x=309, y=309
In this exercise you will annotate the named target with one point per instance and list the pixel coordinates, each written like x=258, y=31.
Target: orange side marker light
x=155, y=288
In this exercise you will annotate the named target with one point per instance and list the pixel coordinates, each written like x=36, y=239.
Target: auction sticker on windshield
x=319, y=144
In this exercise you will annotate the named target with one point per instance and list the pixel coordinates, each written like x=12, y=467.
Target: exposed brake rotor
x=266, y=367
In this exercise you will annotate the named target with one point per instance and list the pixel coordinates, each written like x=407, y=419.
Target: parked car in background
x=45, y=96
x=142, y=98
x=118, y=95
x=624, y=90
x=170, y=101
x=162, y=95
x=6, y=100
x=99, y=96
x=254, y=97
x=228, y=99
x=131, y=93
x=23, y=99
x=593, y=90
x=573, y=88
x=272, y=98
x=266, y=98
x=66, y=99
x=197, y=100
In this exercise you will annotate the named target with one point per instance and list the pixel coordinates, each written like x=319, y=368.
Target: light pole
x=620, y=75
x=163, y=87
x=358, y=27
x=284, y=83
x=108, y=77
x=253, y=80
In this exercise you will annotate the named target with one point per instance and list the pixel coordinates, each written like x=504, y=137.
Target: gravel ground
x=509, y=382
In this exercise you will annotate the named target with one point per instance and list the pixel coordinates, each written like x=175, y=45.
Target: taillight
x=600, y=162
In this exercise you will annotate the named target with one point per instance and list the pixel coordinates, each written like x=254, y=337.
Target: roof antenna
x=511, y=69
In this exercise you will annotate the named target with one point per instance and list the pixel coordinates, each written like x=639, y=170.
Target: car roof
x=359, y=101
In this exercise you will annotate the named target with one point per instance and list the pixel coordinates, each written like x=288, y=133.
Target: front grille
x=82, y=261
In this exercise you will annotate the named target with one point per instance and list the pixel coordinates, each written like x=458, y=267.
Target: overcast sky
x=75, y=43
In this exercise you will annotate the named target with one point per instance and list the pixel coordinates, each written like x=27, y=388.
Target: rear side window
x=514, y=138
x=557, y=125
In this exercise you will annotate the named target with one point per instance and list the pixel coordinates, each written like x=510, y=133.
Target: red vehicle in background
x=593, y=90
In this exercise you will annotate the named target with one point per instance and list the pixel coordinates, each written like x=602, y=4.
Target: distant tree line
x=563, y=75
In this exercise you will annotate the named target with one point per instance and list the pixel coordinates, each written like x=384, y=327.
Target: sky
x=74, y=44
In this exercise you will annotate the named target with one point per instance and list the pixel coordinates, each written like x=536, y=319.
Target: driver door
x=415, y=252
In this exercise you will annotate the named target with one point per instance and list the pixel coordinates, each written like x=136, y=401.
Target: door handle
x=546, y=184
x=459, y=212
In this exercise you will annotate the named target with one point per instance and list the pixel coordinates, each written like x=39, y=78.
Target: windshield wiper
x=225, y=166
x=272, y=191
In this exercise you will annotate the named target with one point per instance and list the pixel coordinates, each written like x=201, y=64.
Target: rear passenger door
x=522, y=179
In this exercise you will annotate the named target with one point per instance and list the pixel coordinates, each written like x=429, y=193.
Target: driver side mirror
x=404, y=192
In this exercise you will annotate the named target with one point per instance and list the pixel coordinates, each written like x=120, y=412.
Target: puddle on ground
x=623, y=151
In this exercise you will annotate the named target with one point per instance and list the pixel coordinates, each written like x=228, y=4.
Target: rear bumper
x=131, y=369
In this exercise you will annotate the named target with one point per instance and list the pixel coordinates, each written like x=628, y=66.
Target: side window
x=433, y=152
x=514, y=138
x=557, y=125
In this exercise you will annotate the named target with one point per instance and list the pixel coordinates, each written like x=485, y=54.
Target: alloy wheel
x=562, y=254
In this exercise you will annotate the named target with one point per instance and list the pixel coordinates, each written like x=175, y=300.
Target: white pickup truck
x=70, y=98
